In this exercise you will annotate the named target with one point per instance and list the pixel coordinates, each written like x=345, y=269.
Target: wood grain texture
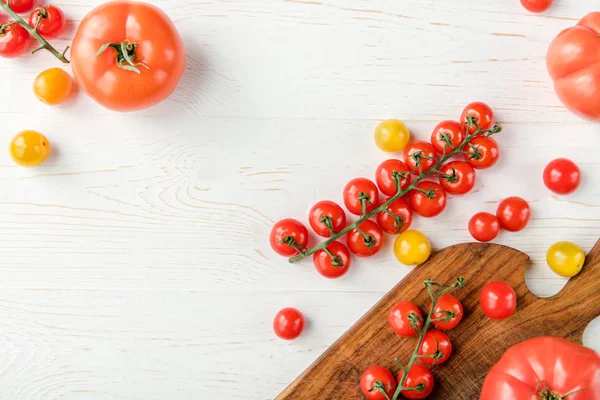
x=135, y=263
x=478, y=342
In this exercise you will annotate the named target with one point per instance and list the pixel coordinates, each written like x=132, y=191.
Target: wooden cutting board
x=478, y=341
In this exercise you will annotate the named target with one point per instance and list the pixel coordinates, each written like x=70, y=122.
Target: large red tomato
x=573, y=62
x=541, y=367
x=127, y=55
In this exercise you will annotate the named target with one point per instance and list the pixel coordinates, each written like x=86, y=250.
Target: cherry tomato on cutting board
x=483, y=114
x=365, y=246
x=498, y=300
x=484, y=227
x=536, y=6
x=332, y=267
x=458, y=178
x=358, y=189
x=565, y=258
x=421, y=151
x=326, y=213
x=50, y=21
x=288, y=323
x=375, y=374
x=391, y=135
x=399, y=320
x=385, y=180
x=428, y=199
x=412, y=248
x=389, y=223
x=452, y=131
x=53, y=86
x=513, y=214
x=562, y=176
x=484, y=152
x=418, y=376
x=450, y=309
x=287, y=236
x=14, y=40
x=29, y=148
x=435, y=341
x=20, y=6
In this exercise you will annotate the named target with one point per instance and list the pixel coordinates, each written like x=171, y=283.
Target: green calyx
x=126, y=57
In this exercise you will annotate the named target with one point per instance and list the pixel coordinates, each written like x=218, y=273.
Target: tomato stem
x=44, y=44
x=126, y=58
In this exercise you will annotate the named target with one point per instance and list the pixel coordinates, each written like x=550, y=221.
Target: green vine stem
x=397, y=176
x=44, y=44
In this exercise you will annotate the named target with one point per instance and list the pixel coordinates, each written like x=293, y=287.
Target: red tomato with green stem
x=498, y=300
x=397, y=218
x=482, y=152
x=447, y=136
x=288, y=236
x=562, y=176
x=482, y=114
x=288, y=323
x=536, y=6
x=361, y=196
x=420, y=379
x=14, y=40
x=384, y=176
x=49, y=21
x=376, y=380
x=332, y=262
x=327, y=216
x=419, y=157
x=448, y=312
x=436, y=346
x=484, y=227
x=20, y=6
x=458, y=177
x=427, y=199
x=405, y=318
x=513, y=214
x=366, y=240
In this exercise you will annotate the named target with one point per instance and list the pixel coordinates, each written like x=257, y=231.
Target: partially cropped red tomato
x=14, y=40
x=419, y=377
x=536, y=6
x=498, y=300
x=544, y=368
x=447, y=131
x=20, y=6
x=369, y=383
x=288, y=236
x=288, y=323
x=484, y=152
x=437, y=345
x=127, y=55
x=421, y=151
x=513, y=214
x=390, y=223
x=326, y=216
x=366, y=240
x=448, y=312
x=332, y=267
x=484, y=227
x=428, y=199
x=483, y=114
x=458, y=178
x=49, y=20
x=562, y=176
x=385, y=179
x=359, y=191
x=574, y=66
x=400, y=318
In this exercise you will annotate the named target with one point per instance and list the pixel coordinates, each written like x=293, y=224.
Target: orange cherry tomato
x=29, y=148
x=127, y=55
x=53, y=86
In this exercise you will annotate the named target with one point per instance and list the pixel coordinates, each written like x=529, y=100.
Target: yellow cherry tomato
x=53, y=86
x=412, y=248
x=565, y=258
x=29, y=148
x=391, y=135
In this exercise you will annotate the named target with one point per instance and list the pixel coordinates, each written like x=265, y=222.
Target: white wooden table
x=135, y=263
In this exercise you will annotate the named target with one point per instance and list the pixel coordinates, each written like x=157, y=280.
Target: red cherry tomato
x=52, y=21
x=365, y=246
x=513, y=214
x=373, y=375
x=430, y=204
x=20, y=6
x=399, y=318
x=326, y=213
x=389, y=224
x=357, y=188
x=422, y=151
x=14, y=40
x=288, y=323
x=562, y=176
x=484, y=152
x=447, y=306
x=435, y=341
x=326, y=266
x=385, y=180
x=483, y=114
x=459, y=177
x=453, y=131
x=484, y=226
x=418, y=375
x=536, y=6
x=287, y=236
x=498, y=300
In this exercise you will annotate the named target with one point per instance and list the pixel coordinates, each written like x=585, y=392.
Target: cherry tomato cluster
x=513, y=214
x=46, y=20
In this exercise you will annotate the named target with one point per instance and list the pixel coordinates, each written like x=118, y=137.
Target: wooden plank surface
x=135, y=263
